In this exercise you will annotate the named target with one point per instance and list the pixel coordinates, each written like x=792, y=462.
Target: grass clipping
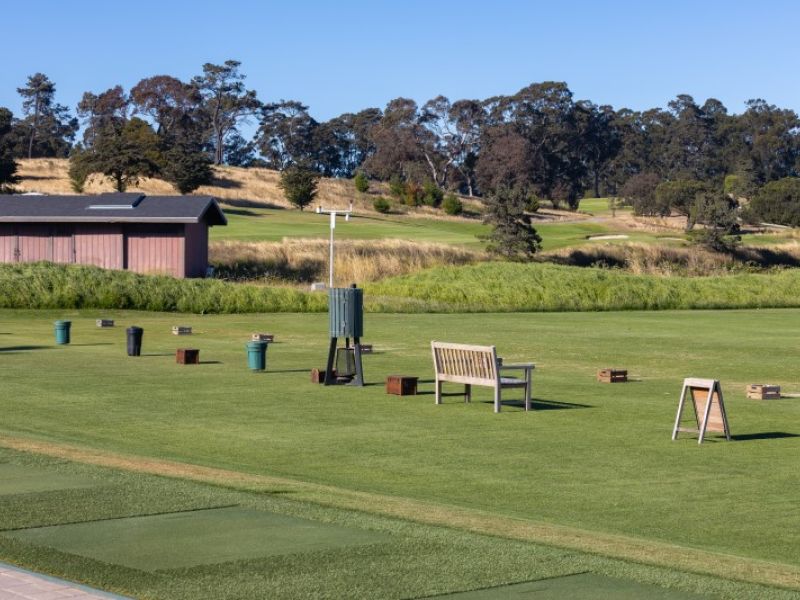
x=305, y=260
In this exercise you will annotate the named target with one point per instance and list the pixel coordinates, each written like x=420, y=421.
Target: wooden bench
x=477, y=365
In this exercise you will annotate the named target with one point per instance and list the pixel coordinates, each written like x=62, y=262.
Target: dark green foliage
x=396, y=186
x=513, y=237
x=361, y=182
x=640, y=192
x=299, y=185
x=777, y=202
x=382, y=205
x=717, y=212
x=47, y=129
x=431, y=194
x=8, y=166
x=737, y=186
x=452, y=205
x=186, y=168
x=126, y=154
x=679, y=196
x=80, y=167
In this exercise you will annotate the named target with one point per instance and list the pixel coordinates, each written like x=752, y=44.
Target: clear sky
x=344, y=55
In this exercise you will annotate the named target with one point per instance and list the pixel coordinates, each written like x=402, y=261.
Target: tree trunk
x=596, y=184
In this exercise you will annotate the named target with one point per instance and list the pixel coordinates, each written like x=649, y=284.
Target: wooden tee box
x=181, y=330
x=262, y=337
x=105, y=322
x=762, y=391
x=612, y=375
x=187, y=356
x=401, y=385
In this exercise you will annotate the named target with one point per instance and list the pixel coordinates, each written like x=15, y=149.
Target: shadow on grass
x=23, y=348
x=292, y=371
x=94, y=344
x=242, y=212
x=764, y=435
x=210, y=362
x=242, y=203
x=537, y=404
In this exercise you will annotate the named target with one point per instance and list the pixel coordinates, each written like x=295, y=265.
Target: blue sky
x=342, y=56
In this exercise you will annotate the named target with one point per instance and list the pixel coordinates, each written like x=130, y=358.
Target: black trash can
x=135, y=341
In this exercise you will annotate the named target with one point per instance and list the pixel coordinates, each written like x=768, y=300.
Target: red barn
x=145, y=234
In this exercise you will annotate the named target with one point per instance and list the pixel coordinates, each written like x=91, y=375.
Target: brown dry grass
x=49, y=176
x=644, y=259
x=304, y=260
x=650, y=552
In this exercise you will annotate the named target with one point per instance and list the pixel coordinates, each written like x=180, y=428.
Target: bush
x=382, y=205
x=533, y=204
x=412, y=194
x=680, y=195
x=737, y=187
x=640, y=192
x=299, y=185
x=777, y=202
x=431, y=194
x=361, y=182
x=396, y=187
x=452, y=205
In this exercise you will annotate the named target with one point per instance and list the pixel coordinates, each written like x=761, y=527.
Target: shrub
x=382, y=205
x=299, y=185
x=533, y=204
x=680, y=195
x=396, y=186
x=737, y=186
x=452, y=205
x=640, y=192
x=412, y=194
x=361, y=182
x=777, y=202
x=431, y=194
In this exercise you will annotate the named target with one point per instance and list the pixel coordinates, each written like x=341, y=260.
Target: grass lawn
x=260, y=224
x=591, y=456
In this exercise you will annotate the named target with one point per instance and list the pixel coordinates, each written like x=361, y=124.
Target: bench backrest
x=463, y=363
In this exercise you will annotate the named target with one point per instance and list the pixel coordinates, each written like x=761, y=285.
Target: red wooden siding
x=99, y=245
x=8, y=243
x=196, y=235
x=33, y=243
x=155, y=250
x=62, y=247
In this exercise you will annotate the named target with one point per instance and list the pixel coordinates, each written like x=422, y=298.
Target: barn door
x=33, y=243
x=8, y=243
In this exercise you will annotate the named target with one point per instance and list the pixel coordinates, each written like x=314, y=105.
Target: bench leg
x=438, y=392
x=497, y=399
x=528, y=384
x=467, y=392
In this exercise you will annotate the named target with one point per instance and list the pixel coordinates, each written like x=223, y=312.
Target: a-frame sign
x=709, y=408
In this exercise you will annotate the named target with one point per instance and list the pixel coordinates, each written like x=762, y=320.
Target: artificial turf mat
x=19, y=479
x=201, y=537
x=583, y=586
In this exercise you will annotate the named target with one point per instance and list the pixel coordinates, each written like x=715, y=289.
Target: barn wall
x=8, y=243
x=196, y=249
x=100, y=245
x=33, y=242
x=155, y=249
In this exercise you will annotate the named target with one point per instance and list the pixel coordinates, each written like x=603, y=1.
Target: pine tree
x=512, y=237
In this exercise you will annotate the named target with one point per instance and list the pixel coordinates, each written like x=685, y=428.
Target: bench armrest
x=523, y=366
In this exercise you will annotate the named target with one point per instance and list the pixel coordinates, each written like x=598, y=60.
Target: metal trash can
x=62, y=331
x=257, y=355
x=134, y=340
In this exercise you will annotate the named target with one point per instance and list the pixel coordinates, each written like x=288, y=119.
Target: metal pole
x=330, y=266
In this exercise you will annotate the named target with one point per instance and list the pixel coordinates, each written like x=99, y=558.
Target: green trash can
x=62, y=331
x=257, y=356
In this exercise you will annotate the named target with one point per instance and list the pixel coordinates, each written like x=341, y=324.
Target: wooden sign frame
x=711, y=416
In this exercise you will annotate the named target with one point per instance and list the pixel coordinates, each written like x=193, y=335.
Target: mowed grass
x=160, y=538
x=591, y=456
x=268, y=224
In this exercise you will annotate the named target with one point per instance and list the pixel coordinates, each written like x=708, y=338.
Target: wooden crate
x=105, y=322
x=262, y=337
x=318, y=375
x=612, y=375
x=401, y=385
x=181, y=330
x=761, y=391
x=187, y=356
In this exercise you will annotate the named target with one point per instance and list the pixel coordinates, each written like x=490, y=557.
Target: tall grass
x=490, y=287
x=485, y=287
x=305, y=260
x=42, y=285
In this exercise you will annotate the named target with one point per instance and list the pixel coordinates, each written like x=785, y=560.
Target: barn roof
x=110, y=208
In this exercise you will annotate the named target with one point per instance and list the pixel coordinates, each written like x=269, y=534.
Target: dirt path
x=622, y=547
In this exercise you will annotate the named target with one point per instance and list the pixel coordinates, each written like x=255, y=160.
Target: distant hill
x=49, y=176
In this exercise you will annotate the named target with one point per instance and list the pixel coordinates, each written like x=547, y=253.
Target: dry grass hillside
x=49, y=176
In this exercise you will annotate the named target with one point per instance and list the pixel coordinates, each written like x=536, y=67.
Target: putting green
x=16, y=479
x=187, y=539
x=584, y=586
